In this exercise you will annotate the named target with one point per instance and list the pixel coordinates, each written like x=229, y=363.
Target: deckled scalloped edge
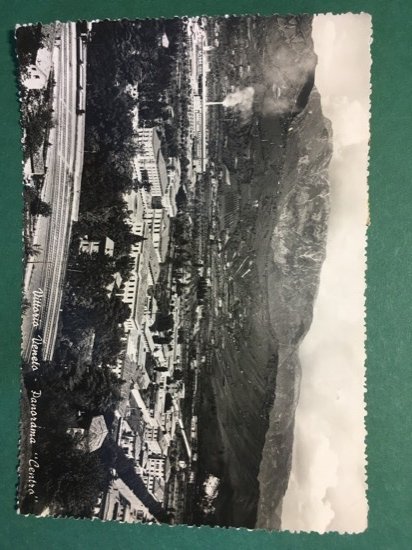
x=279, y=533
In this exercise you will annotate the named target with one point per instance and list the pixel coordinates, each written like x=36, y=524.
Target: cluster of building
x=199, y=68
x=121, y=504
x=149, y=411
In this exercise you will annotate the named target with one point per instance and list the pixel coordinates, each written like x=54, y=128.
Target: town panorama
x=157, y=312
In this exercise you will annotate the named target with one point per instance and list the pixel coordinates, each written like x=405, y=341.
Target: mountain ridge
x=298, y=247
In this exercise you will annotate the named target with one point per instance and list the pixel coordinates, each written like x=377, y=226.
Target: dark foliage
x=34, y=204
x=28, y=41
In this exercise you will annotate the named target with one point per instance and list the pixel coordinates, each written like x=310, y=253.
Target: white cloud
x=327, y=485
x=350, y=121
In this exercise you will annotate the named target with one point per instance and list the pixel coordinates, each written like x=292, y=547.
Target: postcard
x=193, y=313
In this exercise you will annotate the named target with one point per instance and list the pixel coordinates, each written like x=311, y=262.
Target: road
x=61, y=190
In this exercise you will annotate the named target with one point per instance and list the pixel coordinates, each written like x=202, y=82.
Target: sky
x=327, y=485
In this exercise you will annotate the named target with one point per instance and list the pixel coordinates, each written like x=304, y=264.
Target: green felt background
x=389, y=296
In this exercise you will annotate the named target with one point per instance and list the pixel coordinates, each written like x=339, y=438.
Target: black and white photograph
x=194, y=256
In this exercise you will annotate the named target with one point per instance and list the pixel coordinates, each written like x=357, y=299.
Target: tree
x=97, y=391
x=124, y=266
x=168, y=402
x=28, y=40
x=80, y=485
x=30, y=250
x=25, y=305
x=69, y=480
x=35, y=205
x=181, y=199
x=44, y=209
x=178, y=374
x=164, y=322
x=162, y=339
